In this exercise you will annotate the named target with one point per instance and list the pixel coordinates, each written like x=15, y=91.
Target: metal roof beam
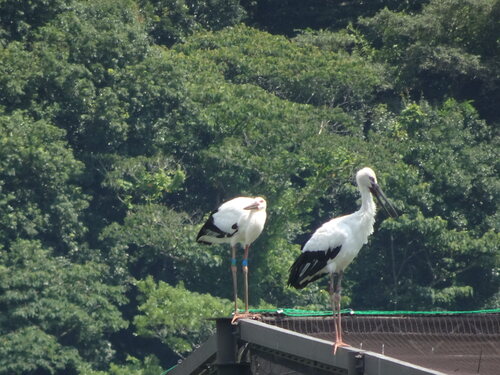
x=319, y=350
x=197, y=358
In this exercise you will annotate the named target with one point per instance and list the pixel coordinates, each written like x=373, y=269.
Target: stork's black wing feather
x=211, y=230
x=310, y=266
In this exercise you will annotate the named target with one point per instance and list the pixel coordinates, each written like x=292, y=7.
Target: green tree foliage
x=157, y=240
x=451, y=168
x=176, y=316
x=290, y=71
x=449, y=49
x=56, y=315
x=39, y=193
x=133, y=366
x=149, y=101
x=19, y=19
x=427, y=266
x=288, y=16
x=171, y=21
x=142, y=179
x=66, y=73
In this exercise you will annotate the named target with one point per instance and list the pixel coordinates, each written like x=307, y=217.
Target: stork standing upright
x=240, y=220
x=337, y=242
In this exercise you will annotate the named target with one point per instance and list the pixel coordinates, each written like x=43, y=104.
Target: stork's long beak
x=253, y=206
x=382, y=199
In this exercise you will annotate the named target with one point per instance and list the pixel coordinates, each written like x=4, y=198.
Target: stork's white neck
x=368, y=206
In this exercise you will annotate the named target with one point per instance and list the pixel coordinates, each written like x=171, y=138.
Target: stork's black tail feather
x=293, y=278
x=210, y=230
x=310, y=266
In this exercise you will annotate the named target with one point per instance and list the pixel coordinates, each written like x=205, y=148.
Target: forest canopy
x=124, y=123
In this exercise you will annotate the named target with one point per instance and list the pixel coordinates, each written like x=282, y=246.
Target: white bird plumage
x=336, y=243
x=238, y=221
x=233, y=222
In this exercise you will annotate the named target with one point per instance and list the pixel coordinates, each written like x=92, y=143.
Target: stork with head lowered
x=240, y=220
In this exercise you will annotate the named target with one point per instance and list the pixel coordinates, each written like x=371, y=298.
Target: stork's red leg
x=334, y=305
x=336, y=302
x=246, y=314
x=234, y=271
x=245, y=273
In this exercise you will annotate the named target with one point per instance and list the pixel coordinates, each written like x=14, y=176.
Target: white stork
x=337, y=242
x=240, y=220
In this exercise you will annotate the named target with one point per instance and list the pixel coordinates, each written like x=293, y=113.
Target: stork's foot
x=245, y=315
x=337, y=344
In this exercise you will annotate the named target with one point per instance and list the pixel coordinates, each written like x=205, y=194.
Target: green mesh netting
x=298, y=312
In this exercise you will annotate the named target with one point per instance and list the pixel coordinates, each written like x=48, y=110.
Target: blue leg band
x=244, y=263
x=233, y=261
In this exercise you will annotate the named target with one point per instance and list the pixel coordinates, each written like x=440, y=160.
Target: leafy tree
x=155, y=240
x=39, y=197
x=19, y=75
x=152, y=103
x=64, y=74
x=100, y=36
x=149, y=366
x=176, y=316
x=80, y=51
x=171, y=21
x=446, y=169
x=30, y=349
x=290, y=71
x=133, y=366
x=447, y=50
x=345, y=41
x=286, y=17
x=20, y=19
x=57, y=315
x=142, y=179
x=454, y=152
